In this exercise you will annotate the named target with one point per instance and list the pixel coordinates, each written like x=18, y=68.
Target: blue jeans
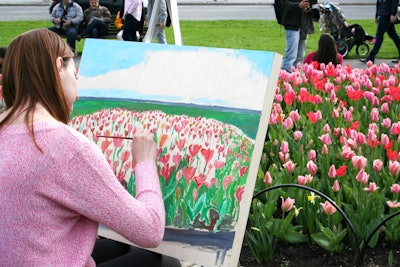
x=384, y=25
x=95, y=29
x=292, y=48
x=71, y=33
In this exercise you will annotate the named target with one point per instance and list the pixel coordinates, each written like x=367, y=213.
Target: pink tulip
x=377, y=165
x=297, y=135
x=325, y=149
x=327, y=128
x=394, y=168
x=328, y=208
x=312, y=167
x=267, y=178
x=374, y=115
x=294, y=114
x=326, y=139
x=375, y=101
x=347, y=153
x=395, y=129
x=336, y=186
x=372, y=187
x=362, y=177
x=385, y=108
x=359, y=162
x=361, y=139
x=335, y=113
x=283, y=156
x=284, y=147
x=287, y=204
x=309, y=178
x=336, y=131
x=384, y=139
x=395, y=188
x=312, y=155
x=393, y=204
x=332, y=171
x=301, y=180
x=289, y=166
x=278, y=98
x=387, y=122
x=371, y=136
x=348, y=116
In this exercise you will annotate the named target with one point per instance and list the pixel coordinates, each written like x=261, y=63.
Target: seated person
x=96, y=20
x=327, y=52
x=66, y=16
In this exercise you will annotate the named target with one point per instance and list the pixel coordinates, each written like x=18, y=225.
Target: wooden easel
x=173, y=12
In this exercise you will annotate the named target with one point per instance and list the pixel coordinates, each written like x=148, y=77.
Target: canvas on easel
x=209, y=110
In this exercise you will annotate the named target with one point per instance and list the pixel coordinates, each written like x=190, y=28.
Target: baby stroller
x=332, y=20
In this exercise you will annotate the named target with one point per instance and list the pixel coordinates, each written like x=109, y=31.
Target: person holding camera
x=66, y=16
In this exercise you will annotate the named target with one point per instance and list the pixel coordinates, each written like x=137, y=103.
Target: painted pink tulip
x=394, y=168
x=377, y=165
x=362, y=177
x=328, y=208
x=336, y=186
x=371, y=188
x=287, y=204
x=332, y=171
x=359, y=162
x=393, y=204
x=395, y=188
x=289, y=166
x=268, y=178
x=312, y=167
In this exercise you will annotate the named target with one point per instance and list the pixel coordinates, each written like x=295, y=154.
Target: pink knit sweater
x=52, y=202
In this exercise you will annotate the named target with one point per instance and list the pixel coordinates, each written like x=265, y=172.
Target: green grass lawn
x=266, y=35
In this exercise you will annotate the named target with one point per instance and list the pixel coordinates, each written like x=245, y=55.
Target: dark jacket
x=102, y=13
x=292, y=15
x=385, y=8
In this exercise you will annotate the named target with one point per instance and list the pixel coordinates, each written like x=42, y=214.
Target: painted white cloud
x=204, y=77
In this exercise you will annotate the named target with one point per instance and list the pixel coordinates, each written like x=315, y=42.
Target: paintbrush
x=113, y=136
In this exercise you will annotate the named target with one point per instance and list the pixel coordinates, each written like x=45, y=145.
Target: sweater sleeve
x=91, y=189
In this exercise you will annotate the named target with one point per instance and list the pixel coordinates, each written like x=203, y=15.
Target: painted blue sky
x=229, y=78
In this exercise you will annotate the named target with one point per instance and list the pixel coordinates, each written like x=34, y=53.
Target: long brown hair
x=327, y=50
x=30, y=76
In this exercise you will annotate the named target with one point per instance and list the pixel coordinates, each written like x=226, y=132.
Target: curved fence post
x=321, y=195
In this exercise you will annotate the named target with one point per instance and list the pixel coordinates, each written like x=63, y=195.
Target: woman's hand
x=144, y=148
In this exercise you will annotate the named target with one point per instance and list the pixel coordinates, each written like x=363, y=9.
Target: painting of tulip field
x=208, y=109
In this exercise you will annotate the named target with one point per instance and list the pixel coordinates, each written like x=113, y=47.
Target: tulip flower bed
x=337, y=131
